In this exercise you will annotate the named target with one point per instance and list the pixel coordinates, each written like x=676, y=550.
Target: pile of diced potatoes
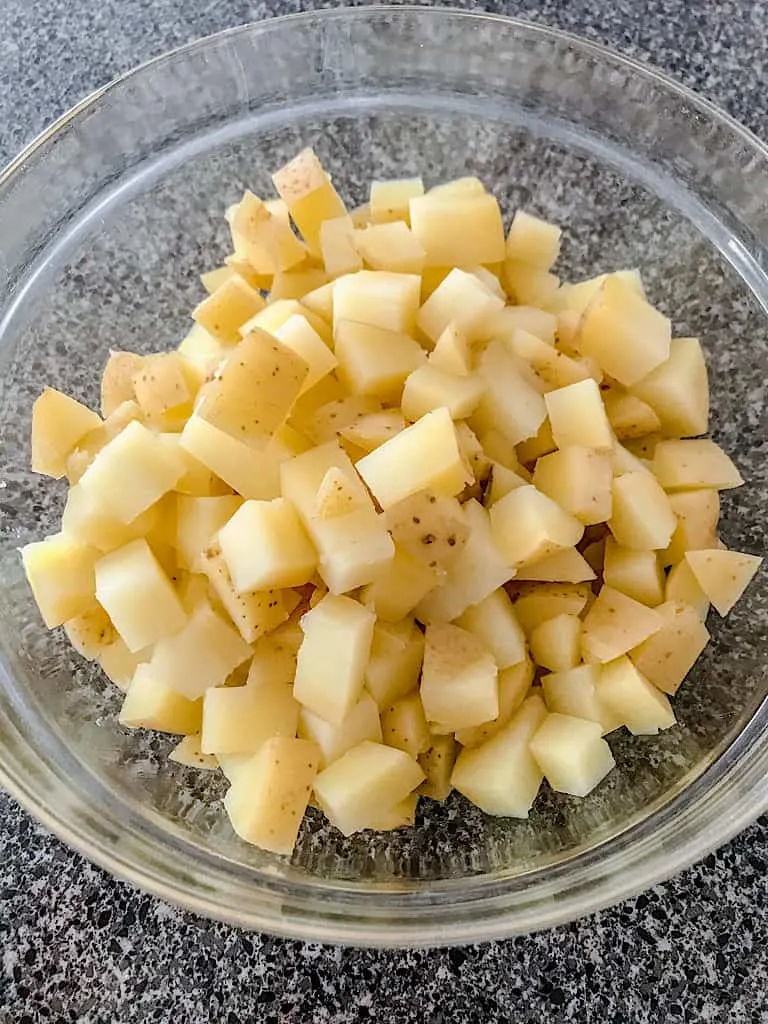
x=424, y=518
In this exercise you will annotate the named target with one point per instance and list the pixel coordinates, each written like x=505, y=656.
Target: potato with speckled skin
x=666, y=658
x=690, y=464
x=240, y=719
x=723, y=575
x=431, y=527
x=579, y=480
x=437, y=764
x=536, y=602
x=309, y=195
x=404, y=725
x=615, y=624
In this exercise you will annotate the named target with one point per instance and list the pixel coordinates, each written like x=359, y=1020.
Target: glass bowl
x=106, y=221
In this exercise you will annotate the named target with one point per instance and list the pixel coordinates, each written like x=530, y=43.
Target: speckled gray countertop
x=77, y=946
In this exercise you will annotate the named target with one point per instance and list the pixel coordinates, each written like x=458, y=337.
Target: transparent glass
x=105, y=223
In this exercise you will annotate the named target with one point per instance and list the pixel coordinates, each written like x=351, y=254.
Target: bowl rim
x=726, y=771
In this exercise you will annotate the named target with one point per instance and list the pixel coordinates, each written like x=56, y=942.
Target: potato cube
x=90, y=632
x=428, y=388
x=309, y=195
x=532, y=240
x=361, y=724
x=391, y=247
x=327, y=421
x=459, y=685
x=117, y=379
x=624, y=333
x=642, y=517
x=429, y=526
x=458, y=229
x=337, y=246
x=536, y=602
x=370, y=775
x=467, y=186
x=274, y=660
x=301, y=337
x=542, y=443
x=514, y=687
x=379, y=298
x=579, y=480
x=510, y=404
x=451, y=352
x=151, y=704
x=164, y=387
x=400, y=815
x=60, y=572
x=267, y=800
x=472, y=452
x=404, y=725
x=666, y=658
x=501, y=776
x=390, y=199
x=266, y=547
x=197, y=521
x=571, y=753
x=697, y=514
x=494, y=623
x=253, y=474
x=683, y=588
x=320, y=303
x=337, y=495
x=527, y=526
x=462, y=300
x=85, y=519
x=636, y=702
x=58, y=424
x=240, y=719
x=578, y=416
x=374, y=360
x=564, y=566
x=678, y=390
x=273, y=316
x=556, y=643
x=574, y=692
x=224, y=312
x=118, y=663
x=529, y=286
x=622, y=461
x=333, y=656
x=615, y=624
x=255, y=613
x=530, y=319
x=723, y=575
x=399, y=586
x=188, y=753
x=262, y=235
x=437, y=764
x=638, y=574
x=690, y=464
x=628, y=415
x=373, y=429
x=553, y=369
x=397, y=652
x=295, y=283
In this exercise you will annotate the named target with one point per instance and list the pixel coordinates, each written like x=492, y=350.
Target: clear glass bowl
x=105, y=223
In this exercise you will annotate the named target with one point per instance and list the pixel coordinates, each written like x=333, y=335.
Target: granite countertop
x=78, y=946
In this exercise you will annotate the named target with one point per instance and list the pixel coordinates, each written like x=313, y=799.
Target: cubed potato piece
x=274, y=659
x=90, y=632
x=502, y=481
x=501, y=776
x=571, y=753
x=85, y=519
x=266, y=547
x=397, y=652
x=198, y=480
x=337, y=495
x=577, y=416
x=60, y=572
x=510, y=404
x=477, y=572
x=424, y=456
x=638, y=574
x=253, y=474
x=642, y=517
x=462, y=300
x=556, y=643
x=458, y=229
x=473, y=453
x=361, y=724
x=510, y=319
x=132, y=472
x=124, y=574
x=197, y=522
x=437, y=764
x=428, y=388
x=615, y=624
x=240, y=719
x=527, y=526
x=467, y=186
x=514, y=687
x=564, y=566
x=532, y=240
x=574, y=692
x=452, y=353
x=188, y=753
x=498, y=448
x=579, y=480
x=678, y=390
x=338, y=248
x=255, y=389
x=390, y=200
x=320, y=303
x=459, y=684
x=164, y=386
x=151, y=704
x=690, y=464
x=295, y=283
x=309, y=195
x=628, y=415
x=268, y=798
x=633, y=699
x=369, y=776
x=119, y=664
x=683, y=588
x=400, y=815
x=262, y=235
x=391, y=247
x=399, y=586
x=224, y=312
x=554, y=369
x=300, y=336
x=643, y=449
x=333, y=656
x=404, y=725
x=58, y=424
x=529, y=286
x=624, y=333
x=375, y=361
x=117, y=379
x=429, y=526
x=326, y=422
x=373, y=429
x=536, y=447
x=722, y=575
x=697, y=514
x=666, y=658
x=536, y=602
x=201, y=352
x=494, y=623
x=273, y=316
x=255, y=613
x=379, y=298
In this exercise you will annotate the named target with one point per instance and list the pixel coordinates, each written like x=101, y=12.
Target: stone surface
x=79, y=946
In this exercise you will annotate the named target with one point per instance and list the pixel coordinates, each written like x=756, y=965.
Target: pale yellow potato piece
x=404, y=725
x=536, y=602
x=678, y=390
x=531, y=319
x=309, y=195
x=574, y=692
x=369, y=776
x=458, y=229
x=633, y=699
x=494, y=623
x=240, y=719
x=459, y=684
x=615, y=624
x=151, y=704
x=201, y=351
x=375, y=361
x=85, y=519
x=320, y=303
x=622, y=460
x=723, y=575
x=297, y=334
x=578, y=416
x=642, y=517
x=428, y=388
x=452, y=353
x=262, y=236
x=274, y=659
x=556, y=643
x=164, y=387
x=514, y=687
x=60, y=572
x=225, y=311
x=579, y=480
x=666, y=658
x=683, y=588
x=330, y=671
x=697, y=514
x=327, y=422
x=578, y=296
x=501, y=776
x=379, y=298
x=390, y=200
x=527, y=285
x=638, y=574
x=472, y=452
x=266, y=547
x=510, y=404
x=90, y=632
x=542, y=443
x=554, y=369
x=119, y=664
x=429, y=526
x=400, y=815
x=571, y=753
x=527, y=526
x=197, y=522
x=361, y=724
x=255, y=613
x=625, y=335
x=58, y=424
x=628, y=415
x=690, y=464
x=399, y=586
x=269, y=795
x=373, y=429
x=273, y=316
x=337, y=245
x=187, y=752
x=467, y=186
x=532, y=240
x=337, y=495
x=437, y=764
x=137, y=595
x=117, y=379
x=391, y=246
x=462, y=300
x=566, y=565
x=498, y=449
x=295, y=283
x=198, y=480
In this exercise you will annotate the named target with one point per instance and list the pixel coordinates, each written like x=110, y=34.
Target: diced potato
x=638, y=574
x=514, y=687
x=536, y=602
x=300, y=336
x=117, y=379
x=397, y=652
x=255, y=613
x=683, y=587
x=428, y=388
x=437, y=764
x=269, y=795
x=451, y=352
x=458, y=229
x=320, y=303
x=624, y=333
x=404, y=725
x=124, y=574
x=399, y=586
x=379, y=298
x=554, y=369
x=261, y=234
x=295, y=283
x=574, y=692
x=429, y=526
x=541, y=444
x=338, y=248
x=529, y=286
x=200, y=350
x=197, y=522
x=510, y=319
x=467, y=186
x=375, y=361
x=60, y=572
x=578, y=416
x=666, y=658
x=615, y=624
x=532, y=240
x=333, y=656
x=369, y=776
x=337, y=495
x=494, y=623
x=164, y=387
x=571, y=753
x=510, y=404
x=326, y=422
x=391, y=246
x=361, y=724
x=502, y=481
x=390, y=199
x=151, y=704
x=224, y=312
x=497, y=447
x=309, y=195
x=636, y=702
x=85, y=520
x=240, y=719
x=697, y=514
x=501, y=776
x=628, y=415
x=579, y=295
x=459, y=685
x=58, y=424
x=556, y=643
x=472, y=452
x=187, y=752
x=690, y=464
x=274, y=660
x=643, y=449
x=119, y=664
x=266, y=547
x=273, y=316
x=527, y=526
x=564, y=566
x=678, y=390
x=462, y=300
x=400, y=815
x=723, y=575
x=642, y=517
x=90, y=632
x=253, y=474
x=373, y=429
